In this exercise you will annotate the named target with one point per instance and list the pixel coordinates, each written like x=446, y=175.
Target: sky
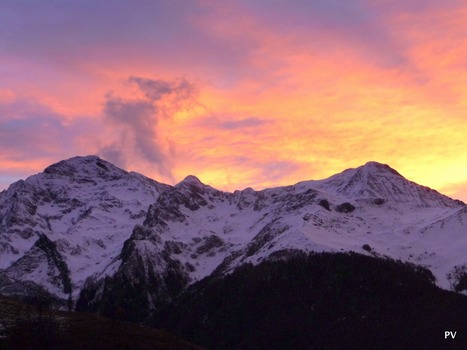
x=244, y=93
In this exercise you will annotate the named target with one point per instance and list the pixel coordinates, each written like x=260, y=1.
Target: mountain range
x=106, y=240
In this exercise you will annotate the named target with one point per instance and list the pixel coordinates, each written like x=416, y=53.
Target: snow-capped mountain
x=82, y=209
x=117, y=238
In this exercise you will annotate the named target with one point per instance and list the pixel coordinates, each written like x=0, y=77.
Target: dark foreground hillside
x=24, y=326
x=320, y=301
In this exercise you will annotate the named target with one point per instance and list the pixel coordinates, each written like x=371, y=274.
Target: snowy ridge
x=375, y=180
x=115, y=229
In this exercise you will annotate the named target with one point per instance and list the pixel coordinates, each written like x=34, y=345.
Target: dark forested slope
x=320, y=301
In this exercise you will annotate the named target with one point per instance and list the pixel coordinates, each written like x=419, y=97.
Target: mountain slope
x=194, y=230
x=128, y=243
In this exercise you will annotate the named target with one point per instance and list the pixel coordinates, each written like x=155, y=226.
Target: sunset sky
x=241, y=93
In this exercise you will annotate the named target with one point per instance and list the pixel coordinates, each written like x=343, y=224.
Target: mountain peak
x=375, y=167
x=190, y=180
x=84, y=167
x=377, y=180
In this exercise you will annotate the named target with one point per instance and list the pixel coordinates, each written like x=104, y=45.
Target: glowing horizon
x=240, y=94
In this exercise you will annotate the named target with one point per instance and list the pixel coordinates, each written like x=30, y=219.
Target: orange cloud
x=286, y=93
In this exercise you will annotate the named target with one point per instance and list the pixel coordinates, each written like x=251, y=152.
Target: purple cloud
x=30, y=130
x=71, y=33
x=229, y=122
x=243, y=123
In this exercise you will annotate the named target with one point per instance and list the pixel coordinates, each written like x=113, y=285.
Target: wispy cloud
x=243, y=123
x=231, y=122
x=136, y=121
